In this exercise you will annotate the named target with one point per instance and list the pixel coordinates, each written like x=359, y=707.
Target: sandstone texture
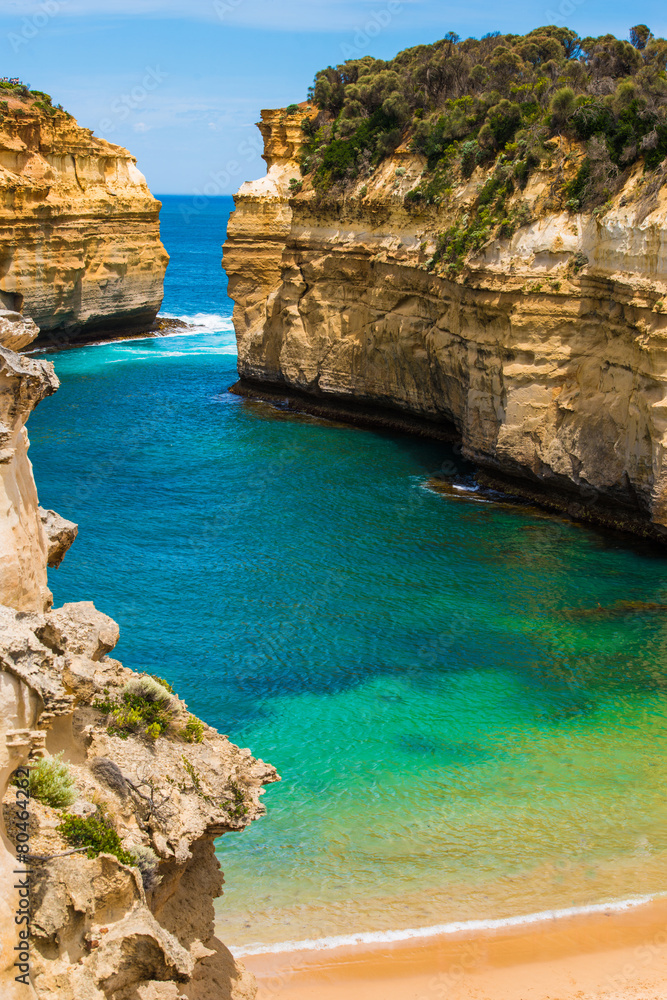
x=134, y=922
x=60, y=534
x=546, y=355
x=80, y=249
x=24, y=543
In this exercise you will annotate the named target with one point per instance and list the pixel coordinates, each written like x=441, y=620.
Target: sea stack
x=80, y=250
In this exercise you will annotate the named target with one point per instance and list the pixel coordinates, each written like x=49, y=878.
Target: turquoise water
x=466, y=701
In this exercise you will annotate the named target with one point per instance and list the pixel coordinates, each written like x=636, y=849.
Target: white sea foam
x=456, y=927
x=199, y=323
x=211, y=322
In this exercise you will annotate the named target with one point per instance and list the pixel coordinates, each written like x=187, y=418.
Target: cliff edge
x=472, y=298
x=80, y=250
x=112, y=793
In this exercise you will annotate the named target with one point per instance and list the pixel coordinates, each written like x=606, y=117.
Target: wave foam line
x=212, y=322
x=456, y=927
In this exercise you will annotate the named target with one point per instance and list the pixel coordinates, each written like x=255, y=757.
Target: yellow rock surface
x=80, y=247
x=547, y=354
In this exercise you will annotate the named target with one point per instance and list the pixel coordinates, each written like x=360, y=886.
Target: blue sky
x=181, y=82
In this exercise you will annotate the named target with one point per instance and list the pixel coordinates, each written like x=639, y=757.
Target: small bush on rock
x=151, y=690
x=51, y=782
x=165, y=684
x=193, y=732
x=146, y=707
x=97, y=834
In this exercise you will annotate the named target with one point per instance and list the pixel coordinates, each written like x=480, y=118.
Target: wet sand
x=611, y=955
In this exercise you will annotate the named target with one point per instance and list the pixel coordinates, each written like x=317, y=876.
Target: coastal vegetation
x=506, y=103
x=146, y=707
x=98, y=835
x=50, y=781
x=26, y=95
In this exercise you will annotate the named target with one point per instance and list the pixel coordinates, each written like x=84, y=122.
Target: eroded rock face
x=79, y=229
x=24, y=382
x=98, y=926
x=547, y=354
x=60, y=535
x=139, y=926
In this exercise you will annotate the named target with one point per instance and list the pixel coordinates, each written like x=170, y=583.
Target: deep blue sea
x=466, y=700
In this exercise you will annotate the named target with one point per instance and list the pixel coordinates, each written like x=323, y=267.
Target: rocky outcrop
x=60, y=535
x=130, y=916
x=80, y=249
x=99, y=924
x=546, y=354
x=24, y=545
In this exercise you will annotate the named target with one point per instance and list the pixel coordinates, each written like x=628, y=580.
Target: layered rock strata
x=80, y=249
x=546, y=355
x=136, y=925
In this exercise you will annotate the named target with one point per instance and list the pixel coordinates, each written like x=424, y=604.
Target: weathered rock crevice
x=547, y=353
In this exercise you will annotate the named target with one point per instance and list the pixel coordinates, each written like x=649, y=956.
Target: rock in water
x=79, y=229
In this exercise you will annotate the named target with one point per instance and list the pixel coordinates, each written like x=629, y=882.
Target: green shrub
x=460, y=240
x=291, y=109
x=95, y=833
x=504, y=121
x=563, y=104
x=469, y=152
x=456, y=93
x=193, y=732
x=576, y=189
x=51, y=782
x=496, y=188
x=295, y=185
x=374, y=137
x=237, y=807
x=165, y=684
x=125, y=720
x=146, y=707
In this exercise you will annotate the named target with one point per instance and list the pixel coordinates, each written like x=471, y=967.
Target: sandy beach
x=611, y=955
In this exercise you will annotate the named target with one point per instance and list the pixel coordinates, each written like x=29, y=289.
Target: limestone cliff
x=80, y=249
x=128, y=916
x=545, y=354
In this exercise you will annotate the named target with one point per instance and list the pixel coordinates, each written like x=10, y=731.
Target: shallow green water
x=468, y=716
